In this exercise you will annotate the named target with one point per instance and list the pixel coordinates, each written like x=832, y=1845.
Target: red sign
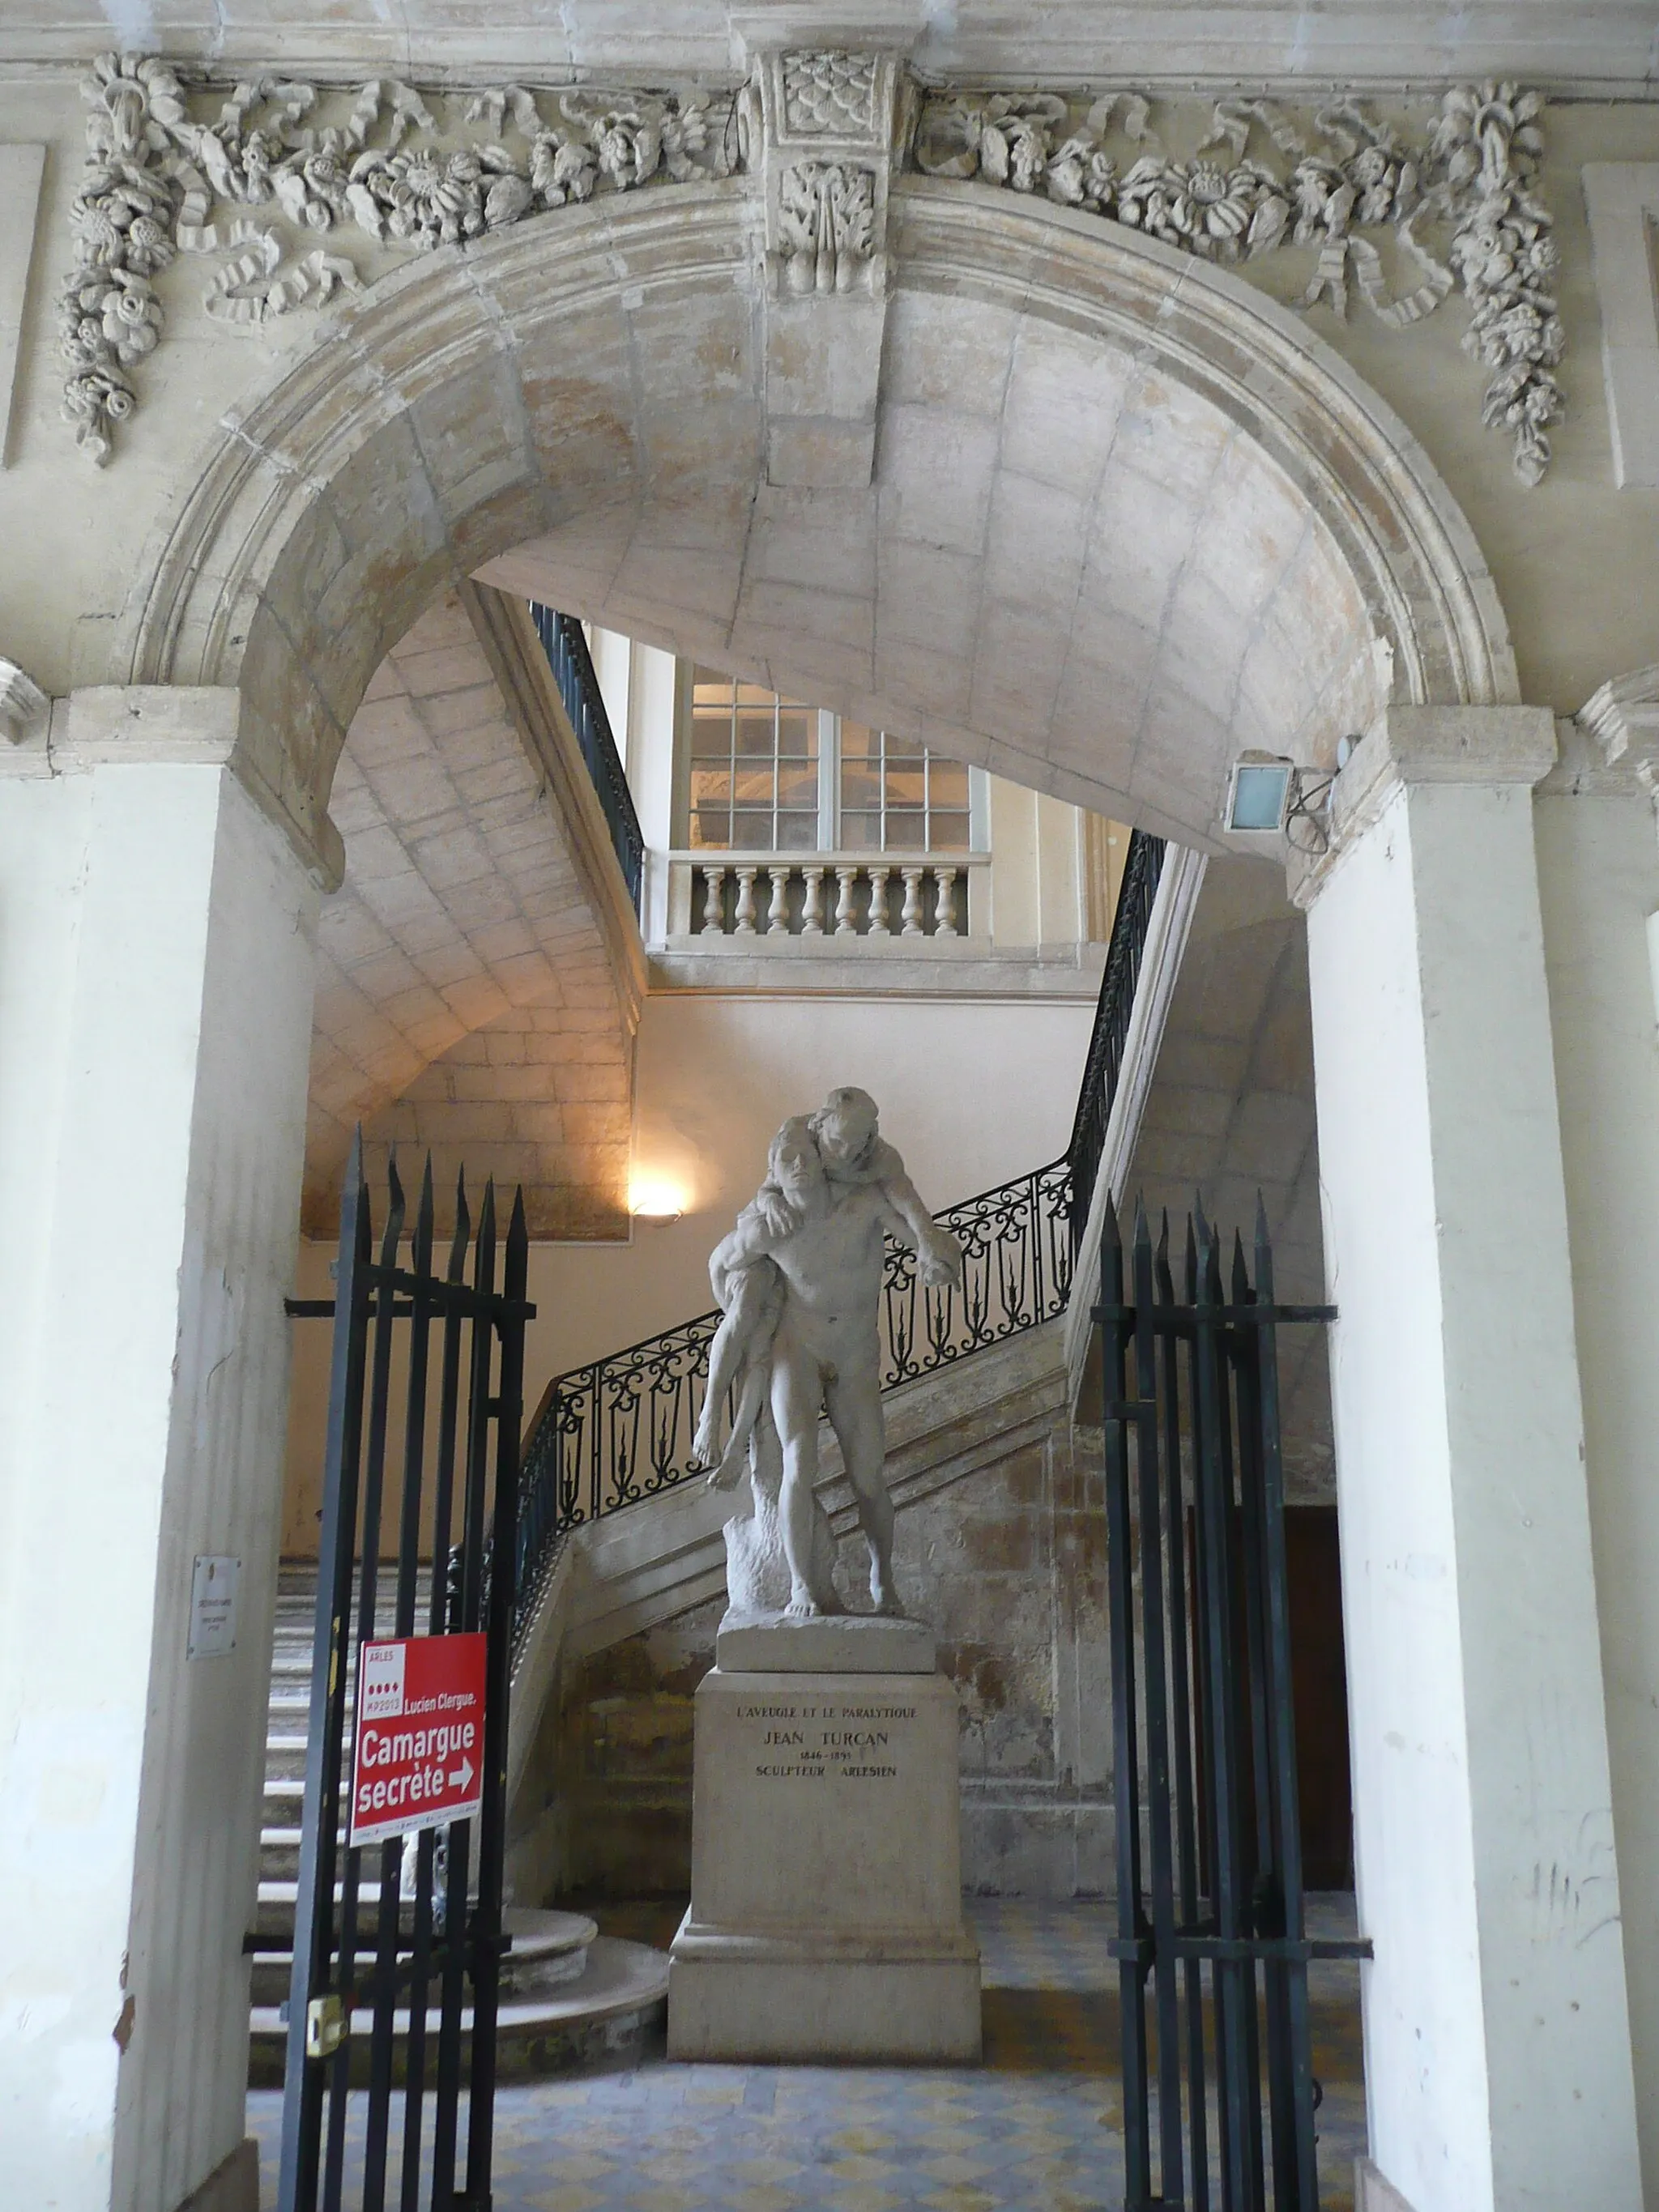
x=419, y=1755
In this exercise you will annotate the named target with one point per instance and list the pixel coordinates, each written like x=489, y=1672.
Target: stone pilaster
x=1498, y=2057
x=155, y=978
x=1598, y=874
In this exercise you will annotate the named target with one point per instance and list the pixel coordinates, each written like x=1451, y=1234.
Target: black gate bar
x=474, y=1462
x=1212, y=1945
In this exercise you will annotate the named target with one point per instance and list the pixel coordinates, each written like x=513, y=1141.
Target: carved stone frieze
x=261, y=177
x=1257, y=183
x=279, y=181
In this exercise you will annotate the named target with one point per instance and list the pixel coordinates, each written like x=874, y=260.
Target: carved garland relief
x=1473, y=177
x=260, y=183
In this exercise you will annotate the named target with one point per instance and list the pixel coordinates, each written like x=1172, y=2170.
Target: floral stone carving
x=259, y=179
x=262, y=176
x=1473, y=177
x=826, y=227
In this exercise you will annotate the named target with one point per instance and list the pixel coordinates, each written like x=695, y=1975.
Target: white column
x=155, y=981
x=1497, y=2048
x=1598, y=867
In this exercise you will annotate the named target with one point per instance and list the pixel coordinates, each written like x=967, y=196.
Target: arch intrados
x=232, y=594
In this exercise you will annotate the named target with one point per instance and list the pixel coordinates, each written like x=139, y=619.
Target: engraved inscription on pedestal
x=835, y=1740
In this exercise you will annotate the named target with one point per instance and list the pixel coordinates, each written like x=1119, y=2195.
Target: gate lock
x=325, y=2026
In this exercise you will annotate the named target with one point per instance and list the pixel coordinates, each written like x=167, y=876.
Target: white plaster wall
x=972, y=1094
x=155, y=994
x=1599, y=879
x=1498, y=2065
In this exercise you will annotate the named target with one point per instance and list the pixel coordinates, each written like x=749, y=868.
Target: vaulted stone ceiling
x=467, y=1004
x=1068, y=567
x=1345, y=42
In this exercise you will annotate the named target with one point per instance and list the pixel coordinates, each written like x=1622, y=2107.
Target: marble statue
x=799, y=1281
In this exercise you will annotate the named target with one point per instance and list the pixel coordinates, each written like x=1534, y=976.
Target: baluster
x=912, y=901
x=879, y=925
x=714, y=919
x=845, y=925
x=745, y=917
x=777, y=914
x=945, y=919
x=811, y=912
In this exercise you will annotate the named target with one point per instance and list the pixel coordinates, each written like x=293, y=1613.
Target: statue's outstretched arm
x=910, y=1222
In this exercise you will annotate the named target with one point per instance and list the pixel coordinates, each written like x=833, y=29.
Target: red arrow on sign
x=420, y=1705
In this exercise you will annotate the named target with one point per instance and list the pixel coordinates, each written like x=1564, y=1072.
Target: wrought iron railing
x=579, y=687
x=1142, y=868
x=619, y=1430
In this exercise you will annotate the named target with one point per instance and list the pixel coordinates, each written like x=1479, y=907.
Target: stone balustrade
x=839, y=895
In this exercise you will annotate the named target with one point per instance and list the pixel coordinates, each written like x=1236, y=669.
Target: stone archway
x=1189, y=481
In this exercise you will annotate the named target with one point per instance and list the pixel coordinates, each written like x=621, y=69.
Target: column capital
x=1479, y=747
x=1622, y=721
x=142, y=722
x=180, y=724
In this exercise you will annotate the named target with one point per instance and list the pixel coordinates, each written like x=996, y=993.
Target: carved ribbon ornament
x=260, y=182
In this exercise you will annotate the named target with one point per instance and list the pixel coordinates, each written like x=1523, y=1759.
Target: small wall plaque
x=213, y=1608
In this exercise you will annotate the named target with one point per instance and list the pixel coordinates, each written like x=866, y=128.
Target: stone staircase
x=570, y=1996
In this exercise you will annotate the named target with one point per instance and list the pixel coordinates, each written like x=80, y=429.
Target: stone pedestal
x=825, y=1920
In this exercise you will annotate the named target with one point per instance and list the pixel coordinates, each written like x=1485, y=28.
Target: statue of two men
x=799, y=1280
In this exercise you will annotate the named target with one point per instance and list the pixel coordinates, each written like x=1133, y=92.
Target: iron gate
x=1209, y=1862
x=444, y=1938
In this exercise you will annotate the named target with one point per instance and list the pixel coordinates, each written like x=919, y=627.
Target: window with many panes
x=769, y=774
x=896, y=798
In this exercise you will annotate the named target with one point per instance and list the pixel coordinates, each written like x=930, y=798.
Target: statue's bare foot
x=802, y=1606
x=885, y=1598
x=705, y=1450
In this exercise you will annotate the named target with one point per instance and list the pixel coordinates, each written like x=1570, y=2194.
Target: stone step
x=549, y=1948
x=285, y=1753
x=273, y=1913
x=612, y=2014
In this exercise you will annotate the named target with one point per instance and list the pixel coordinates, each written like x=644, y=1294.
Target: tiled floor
x=1035, y=2128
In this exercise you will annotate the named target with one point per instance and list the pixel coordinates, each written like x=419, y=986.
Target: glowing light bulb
x=655, y=1199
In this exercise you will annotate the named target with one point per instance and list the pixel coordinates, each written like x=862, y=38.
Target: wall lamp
x=1259, y=792
x=1269, y=795
x=657, y=1203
